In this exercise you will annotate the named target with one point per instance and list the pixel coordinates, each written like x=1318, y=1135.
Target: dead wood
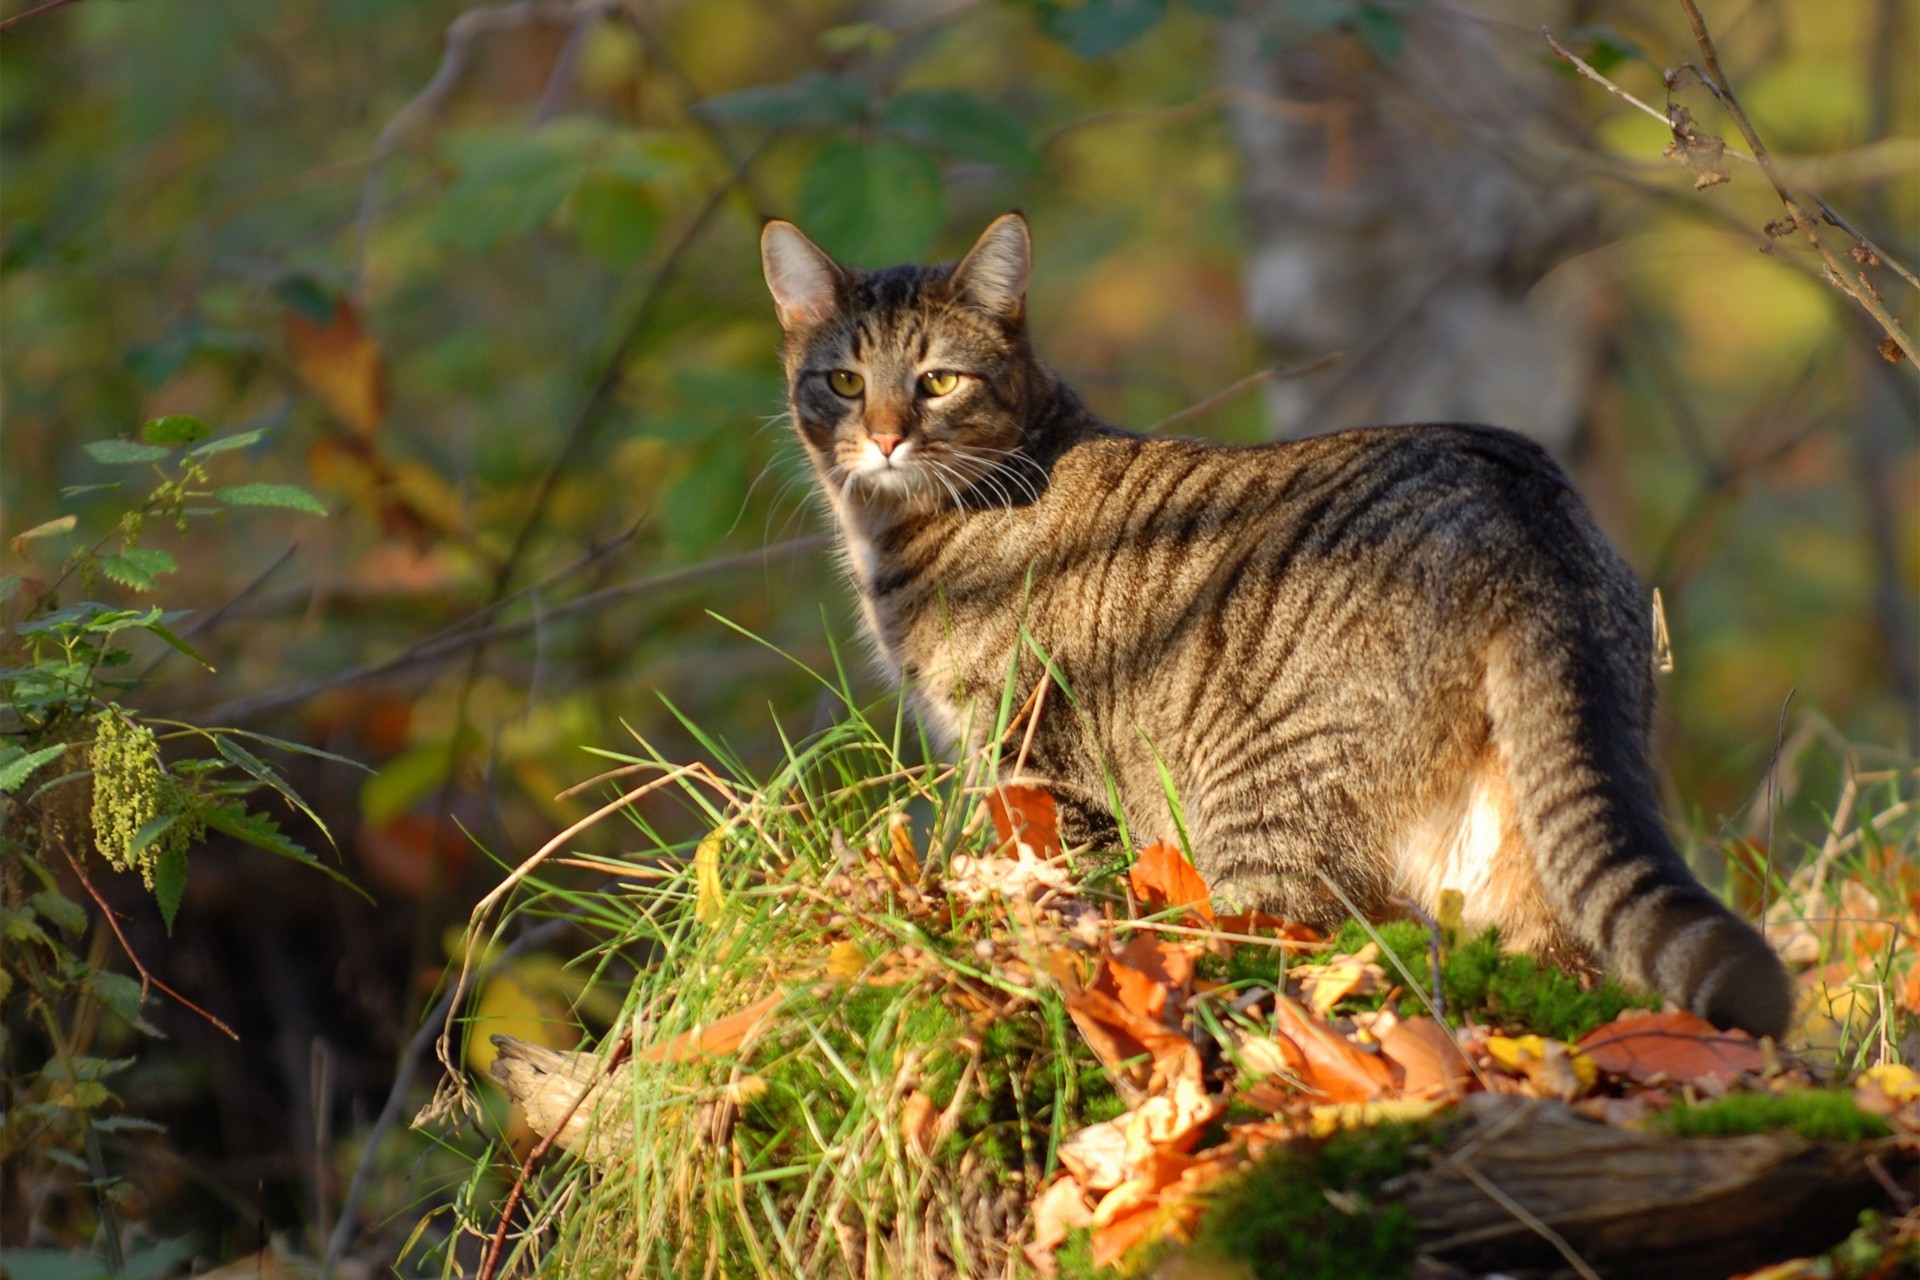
x=1648, y=1206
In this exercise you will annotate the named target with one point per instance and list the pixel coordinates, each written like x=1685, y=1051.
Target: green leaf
x=9, y=586
x=166, y=633
x=151, y=560
x=223, y=444
x=290, y=497
x=1603, y=48
x=1100, y=27
x=299, y=748
x=17, y=766
x=175, y=428
x=403, y=782
x=60, y=909
x=150, y=831
x=813, y=99
x=874, y=204
x=169, y=881
x=614, y=218
x=261, y=771
x=120, y=453
x=263, y=832
x=962, y=124
x=122, y=995
x=128, y=572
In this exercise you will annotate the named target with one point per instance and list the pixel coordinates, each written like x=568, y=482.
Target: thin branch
x=459, y=637
x=146, y=977
x=18, y=18
x=1854, y=284
x=1232, y=389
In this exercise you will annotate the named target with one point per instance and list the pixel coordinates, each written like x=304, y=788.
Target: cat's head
x=909, y=384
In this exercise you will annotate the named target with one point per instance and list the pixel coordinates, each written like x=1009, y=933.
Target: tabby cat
x=1394, y=661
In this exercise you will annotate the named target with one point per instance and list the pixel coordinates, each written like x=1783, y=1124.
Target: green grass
x=1828, y=1115
x=1315, y=1210
x=1483, y=983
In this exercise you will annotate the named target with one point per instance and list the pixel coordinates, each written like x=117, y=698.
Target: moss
x=1821, y=1114
x=1314, y=1211
x=1481, y=982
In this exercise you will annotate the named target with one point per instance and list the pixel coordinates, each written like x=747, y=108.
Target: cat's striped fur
x=1398, y=660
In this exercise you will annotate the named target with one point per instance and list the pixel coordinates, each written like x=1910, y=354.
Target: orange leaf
x=721, y=1036
x=1256, y=922
x=1430, y=1063
x=1679, y=1046
x=1336, y=1067
x=1162, y=877
x=1060, y=1208
x=917, y=1120
x=1910, y=990
x=1119, y=1035
x=1025, y=815
x=1147, y=974
x=340, y=364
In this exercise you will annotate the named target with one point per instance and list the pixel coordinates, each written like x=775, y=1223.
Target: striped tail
x=1571, y=725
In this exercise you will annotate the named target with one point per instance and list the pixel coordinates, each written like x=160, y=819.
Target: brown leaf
x=918, y=1116
x=722, y=1036
x=1678, y=1046
x=1253, y=923
x=1336, y=1067
x=1162, y=877
x=1060, y=1208
x=1149, y=975
x=1430, y=1063
x=1118, y=1035
x=341, y=365
x=1025, y=816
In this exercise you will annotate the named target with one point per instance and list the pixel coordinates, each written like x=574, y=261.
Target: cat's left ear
x=993, y=275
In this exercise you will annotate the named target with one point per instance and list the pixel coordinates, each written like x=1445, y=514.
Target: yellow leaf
x=710, y=898
x=846, y=961
x=512, y=1004
x=1453, y=909
x=1333, y=1117
x=1555, y=1065
x=1897, y=1081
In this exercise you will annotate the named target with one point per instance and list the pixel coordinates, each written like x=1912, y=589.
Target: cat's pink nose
x=886, y=442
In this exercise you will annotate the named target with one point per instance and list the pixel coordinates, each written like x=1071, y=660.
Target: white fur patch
x=1455, y=847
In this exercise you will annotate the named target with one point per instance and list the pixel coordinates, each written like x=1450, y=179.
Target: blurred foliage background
x=487, y=278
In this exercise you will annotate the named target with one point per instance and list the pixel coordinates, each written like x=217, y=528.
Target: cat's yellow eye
x=845, y=382
x=939, y=382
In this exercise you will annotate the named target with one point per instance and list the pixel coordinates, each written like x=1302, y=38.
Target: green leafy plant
x=82, y=769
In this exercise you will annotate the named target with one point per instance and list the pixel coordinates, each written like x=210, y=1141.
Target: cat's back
x=1427, y=506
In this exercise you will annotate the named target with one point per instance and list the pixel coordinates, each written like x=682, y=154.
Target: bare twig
x=499, y=1242
x=1853, y=283
x=1850, y=281
x=1525, y=1217
x=18, y=18
x=1232, y=389
x=146, y=977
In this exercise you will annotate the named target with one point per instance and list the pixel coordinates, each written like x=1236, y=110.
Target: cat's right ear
x=804, y=280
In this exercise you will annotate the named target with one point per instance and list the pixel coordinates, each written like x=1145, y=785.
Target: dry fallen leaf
x=1025, y=820
x=716, y=1038
x=918, y=1116
x=1337, y=1068
x=1323, y=986
x=1330, y=1118
x=1553, y=1068
x=1677, y=1046
x=1162, y=878
x=1060, y=1209
x=1430, y=1062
